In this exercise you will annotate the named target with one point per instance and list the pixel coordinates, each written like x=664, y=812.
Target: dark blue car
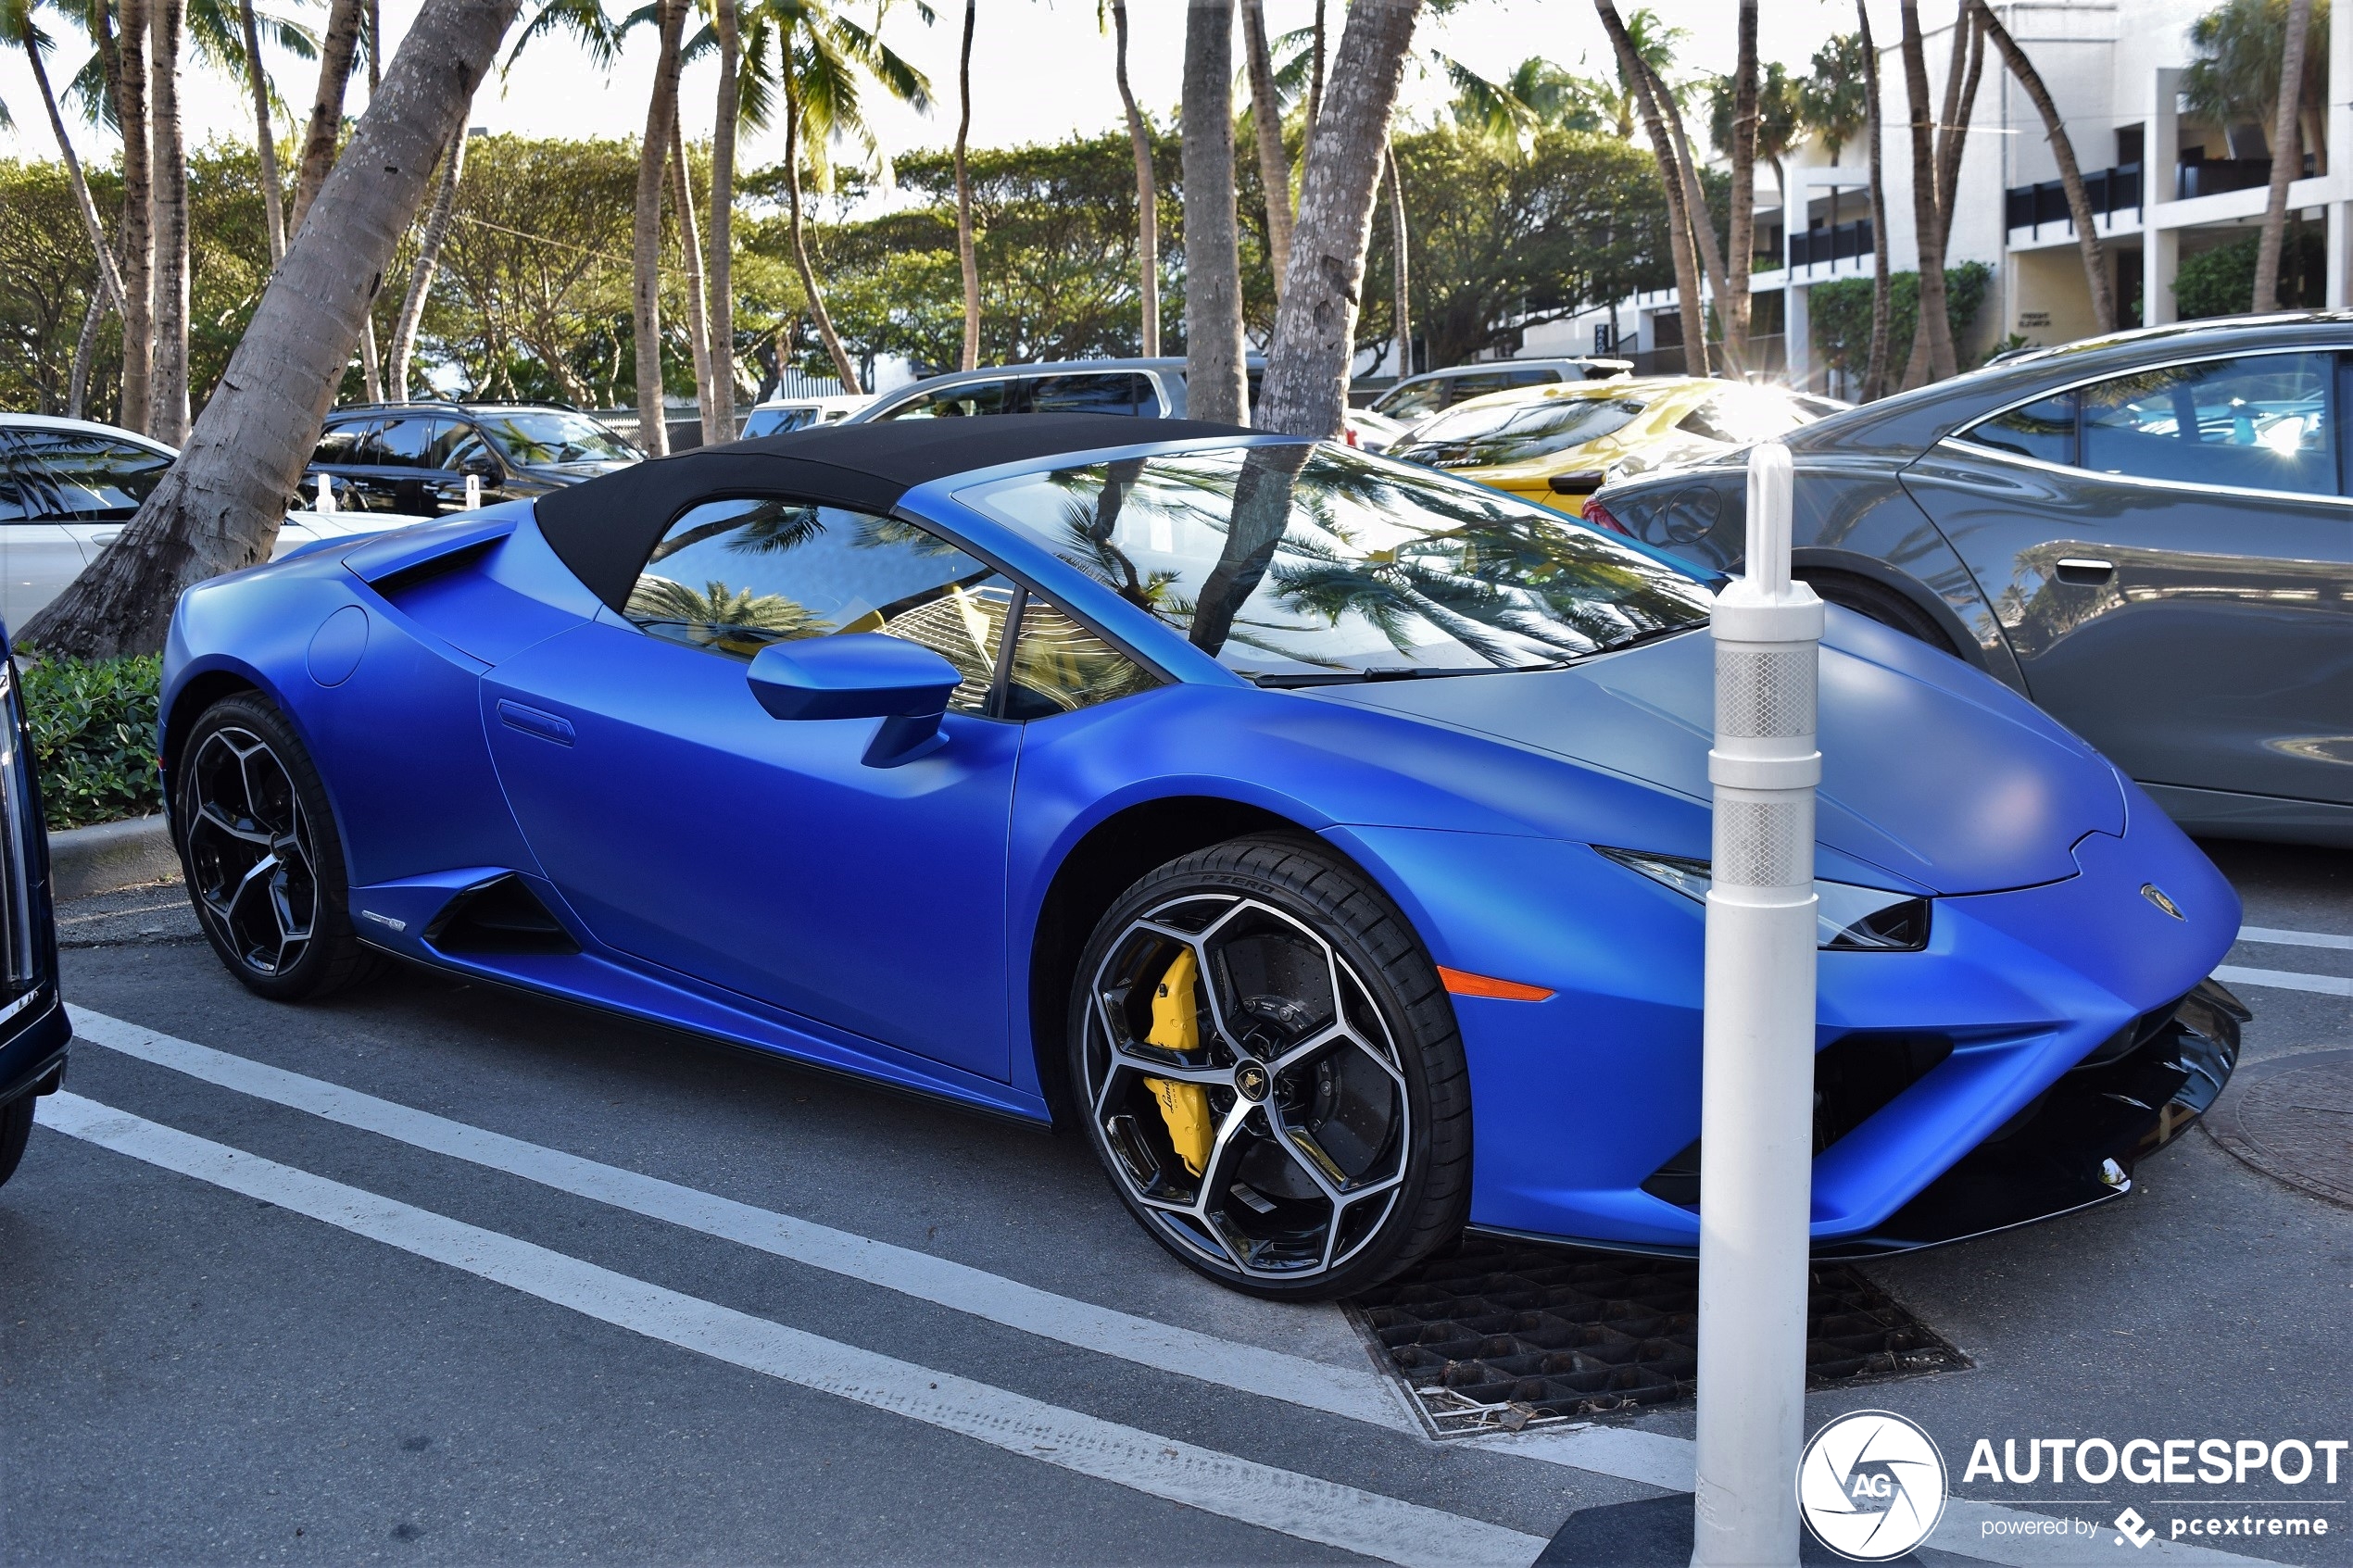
x=33, y=1027
x=1323, y=838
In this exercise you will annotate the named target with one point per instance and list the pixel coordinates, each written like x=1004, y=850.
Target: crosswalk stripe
x=1361, y=1394
x=2286, y=980
x=1306, y=1507
x=2275, y=936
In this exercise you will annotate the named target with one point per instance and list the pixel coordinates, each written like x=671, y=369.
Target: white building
x=2164, y=185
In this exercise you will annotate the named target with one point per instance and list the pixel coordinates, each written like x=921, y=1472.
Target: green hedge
x=94, y=737
x=1841, y=314
x=2221, y=282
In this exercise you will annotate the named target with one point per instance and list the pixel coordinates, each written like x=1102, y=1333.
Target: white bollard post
x=326, y=495
x=1757, y=1096
x=474, y=492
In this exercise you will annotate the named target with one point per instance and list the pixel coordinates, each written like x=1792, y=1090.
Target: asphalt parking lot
x=436, y=1272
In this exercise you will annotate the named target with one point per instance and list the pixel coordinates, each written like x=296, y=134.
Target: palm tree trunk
x=1670, y=179
x=420, y=272
x=84, y=346
x=645, y=237
x=371, y=380
x=1266, y=116
x=966, y=262
x=1928, y=221
x=109, y=280
x=265, y=138
x=682, y=195
x=719, y=411
x=1306, y=391
x=1215, y=381
x=1316, y=82
x=1741, y=241
x=2079, y=205
x=2287, y=156
x=1147, y=194
x=341, y=41
x=846, y=371
x=138, y=213
x=1403, y=281
x=1961, y=104
x=1695, y=203
x=1882, y=297
x=220, y=506
x=168, y=392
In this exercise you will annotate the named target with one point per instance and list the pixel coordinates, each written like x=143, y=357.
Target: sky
x=1041, y=68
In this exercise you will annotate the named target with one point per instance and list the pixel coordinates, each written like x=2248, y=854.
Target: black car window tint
x=1414, y=401
x=1123, y=392
x=961, y=402
x=2044, y=430
x=94, y=475
x=1059, y=666
x=448, y=434
x=403, y=442
x=1516, y=433
x=15, y=504
x=2259, y=423
x=730, y=577
x=343, y=443
x=470, y=452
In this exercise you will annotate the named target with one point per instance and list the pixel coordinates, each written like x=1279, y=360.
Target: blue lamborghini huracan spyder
x=1326, y=837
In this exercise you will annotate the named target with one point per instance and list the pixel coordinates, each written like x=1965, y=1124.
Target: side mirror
x=482, y=466
x=864, y=675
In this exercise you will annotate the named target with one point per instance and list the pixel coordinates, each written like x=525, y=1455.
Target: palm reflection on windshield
x=1294, y=563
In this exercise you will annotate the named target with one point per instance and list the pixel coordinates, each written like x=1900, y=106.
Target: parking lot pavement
x=436, y=1271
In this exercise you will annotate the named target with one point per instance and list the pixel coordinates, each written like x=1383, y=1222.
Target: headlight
x=1868, y=919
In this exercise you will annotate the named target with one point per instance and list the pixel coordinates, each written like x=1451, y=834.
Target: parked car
x=1557, y=445
x=1151, y=389
x=415, y=459
x=783, y=414
x=2150, y=534
x=1338, y=898
x=1370, y=432
x=34, y=1026
x=68, y=486
x=1415, y=398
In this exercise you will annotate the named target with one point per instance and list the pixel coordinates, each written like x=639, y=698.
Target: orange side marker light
x=1462, y=982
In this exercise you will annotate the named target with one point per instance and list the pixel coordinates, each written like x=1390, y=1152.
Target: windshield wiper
x=1401, y=673
x=1639, y=638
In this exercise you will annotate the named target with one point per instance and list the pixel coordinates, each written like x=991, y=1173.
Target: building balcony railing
x=1809, y=246
x=2216, y=175
x=2107, y=190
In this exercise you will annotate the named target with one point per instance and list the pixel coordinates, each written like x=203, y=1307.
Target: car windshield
x=1298, y=564
x=552, y=435
x=1485, y=435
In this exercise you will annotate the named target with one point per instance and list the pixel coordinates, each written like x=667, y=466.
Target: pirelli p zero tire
x=1270, y=1071
x=264, y=862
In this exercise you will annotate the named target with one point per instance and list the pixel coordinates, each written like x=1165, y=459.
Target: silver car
x=2150, y=534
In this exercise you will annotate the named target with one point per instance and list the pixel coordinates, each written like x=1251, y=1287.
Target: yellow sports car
x=1557, y=445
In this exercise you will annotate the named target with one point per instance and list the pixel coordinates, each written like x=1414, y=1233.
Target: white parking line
x=1303, y=1506
x=1358, y=1395
x=2286, y=980
x=2275, y=936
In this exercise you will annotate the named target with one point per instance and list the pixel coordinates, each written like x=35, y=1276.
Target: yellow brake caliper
x=1176, y=1027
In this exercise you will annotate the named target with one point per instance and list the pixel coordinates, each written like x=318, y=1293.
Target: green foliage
x=2235, y=77
x=2221, y=282
x=94, y=737
x=1840, y=313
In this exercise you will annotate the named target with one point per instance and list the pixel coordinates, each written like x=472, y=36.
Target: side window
x=1060, y=666
x=403, y=442
x=730, y=577
x=448, y=436
x=94, y=475
x=16, y=503
x=1123, y=392
x=468, y=453
x=956, y=402
x=342, y=443
x=2261, y=422
x=2044, y=430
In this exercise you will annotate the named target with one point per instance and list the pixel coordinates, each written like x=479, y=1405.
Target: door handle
x=2084, y=571
x=534, y=721
x=109, y=538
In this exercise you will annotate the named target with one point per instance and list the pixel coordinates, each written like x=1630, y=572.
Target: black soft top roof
x=605, y=528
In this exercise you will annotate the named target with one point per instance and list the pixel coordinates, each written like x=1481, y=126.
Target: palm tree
x=2287, y=156
x=2079, y=205
x=168, y=391
x=661, y=108
x=337, y=49
x=265, y=138
x=1306, y=386
x=1740, y=241
x=421, y=271
x=2234, y=76
x=719, y=403
x=682, y=194
x=1883, y=294
x=1215, y=384
x=1831, y=103
x=17, y=27
x=123, y=56
x=967, y=262
x=1635, y=73
x=1267, y=119
x=219, y=506
x=1935, y=331
x=1147, y=191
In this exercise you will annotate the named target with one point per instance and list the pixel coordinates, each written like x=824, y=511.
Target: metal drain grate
x=1502, y=1334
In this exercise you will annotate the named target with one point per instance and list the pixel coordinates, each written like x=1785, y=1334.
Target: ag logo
x=1871, y=1486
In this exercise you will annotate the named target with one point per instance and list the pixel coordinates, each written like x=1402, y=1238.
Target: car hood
x=1932, y=771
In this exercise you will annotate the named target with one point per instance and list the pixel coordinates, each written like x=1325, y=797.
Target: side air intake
x=498, y=916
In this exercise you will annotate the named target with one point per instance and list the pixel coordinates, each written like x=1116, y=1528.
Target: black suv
x=33, y=1027
x=415, y=459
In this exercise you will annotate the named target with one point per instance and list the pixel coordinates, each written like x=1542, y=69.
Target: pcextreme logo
x=1871, y=1486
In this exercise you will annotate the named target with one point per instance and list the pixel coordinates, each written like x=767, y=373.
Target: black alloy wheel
x=1271, y=1072
x=258, y=845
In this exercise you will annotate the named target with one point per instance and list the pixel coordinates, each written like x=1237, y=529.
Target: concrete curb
x=84, y=862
